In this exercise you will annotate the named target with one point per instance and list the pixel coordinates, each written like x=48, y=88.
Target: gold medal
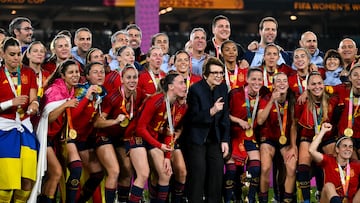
x=345, y=200
x=125, y=122
x=282, y=139
x=21, y=112
x=348, y=132
x=72, y=134
x=249, y=132
x=98, y=89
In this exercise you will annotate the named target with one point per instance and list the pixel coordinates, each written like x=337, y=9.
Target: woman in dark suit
x=207, y=134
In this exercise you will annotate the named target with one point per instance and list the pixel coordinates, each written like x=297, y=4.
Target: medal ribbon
x=17, y=91
x=317, y=120
x=300, y=84
x=153, y=78
x=282, y=123
x=265, y=76
x=351, y=106
x=69, y=121
x=227, y=78
x=39, y=81
x=250, y=118
x=123, y=106
x=345, y=180
x=188, y=82
x=170, y=120
x=217, y=48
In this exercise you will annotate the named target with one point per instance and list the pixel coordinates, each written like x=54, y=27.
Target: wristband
x=36, y=102
x=6, y=104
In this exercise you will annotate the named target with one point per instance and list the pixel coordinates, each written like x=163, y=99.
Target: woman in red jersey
x=56, y=127
x=157, y=114
x=119, y=108
x=278, y=131
x=319, y=108
x=270, y=67
x=234, y=76
x=90, y=96
x=243, y=107
x=18, y=146
x=341, y=173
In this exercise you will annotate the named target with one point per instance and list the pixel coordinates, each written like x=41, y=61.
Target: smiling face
x=309, y=42
x=24, y=33
x=316, y=85
x=216, y=75
x=268, y=32
x=97, y=56
x=83, y=41
x=221, y=30
x=229, y=52
x=355, y=78
x=345, y=149
x=332, y=63
x=130, y=79
x=62, y=48
x=347, y=50
x=255, y=81
x=301, y=59
x=281, y=83
x=71, y=75
x=96, y=75
x=198, y=41
x=182, y=63
x=36, y=54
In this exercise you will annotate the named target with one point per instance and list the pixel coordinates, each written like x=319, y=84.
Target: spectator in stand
x=221, y=29
x=21, y=29
x=83, y=42
x=135, y=37
x=198, y=43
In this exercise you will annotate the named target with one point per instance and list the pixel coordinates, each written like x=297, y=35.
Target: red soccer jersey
x=269, y=76
x=152, y=118
x=307, y=122
x=238, y=80
x=271, y=127
x=112, y=81
x=112, y=105
x=355, y=121
x=296, y=84
x=332, y=175
x=82, y=118
x=146, y=85
x=28, y=81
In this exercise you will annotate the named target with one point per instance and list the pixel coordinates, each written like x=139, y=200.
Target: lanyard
x=345, y=180
x=266, y=81
x=351, y=106
x=232, y=79
x=170, y=120
x=153, y=78
x=282, y=123
x=123, y=106
x=251, y=118
x=302, y=84
x=188, y=82
x=16, y=92
x=317, y=120
x=40, y=91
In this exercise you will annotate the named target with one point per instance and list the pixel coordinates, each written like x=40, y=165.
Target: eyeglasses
x=26, y=28
x=221, y=73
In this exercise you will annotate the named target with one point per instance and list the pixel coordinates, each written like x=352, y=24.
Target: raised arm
x=316, y=155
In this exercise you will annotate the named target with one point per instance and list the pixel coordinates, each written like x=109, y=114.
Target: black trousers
x=205, y=167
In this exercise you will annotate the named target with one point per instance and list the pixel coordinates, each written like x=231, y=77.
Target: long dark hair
x=61, y=69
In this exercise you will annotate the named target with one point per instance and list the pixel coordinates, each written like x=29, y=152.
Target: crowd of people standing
x=188, y=127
